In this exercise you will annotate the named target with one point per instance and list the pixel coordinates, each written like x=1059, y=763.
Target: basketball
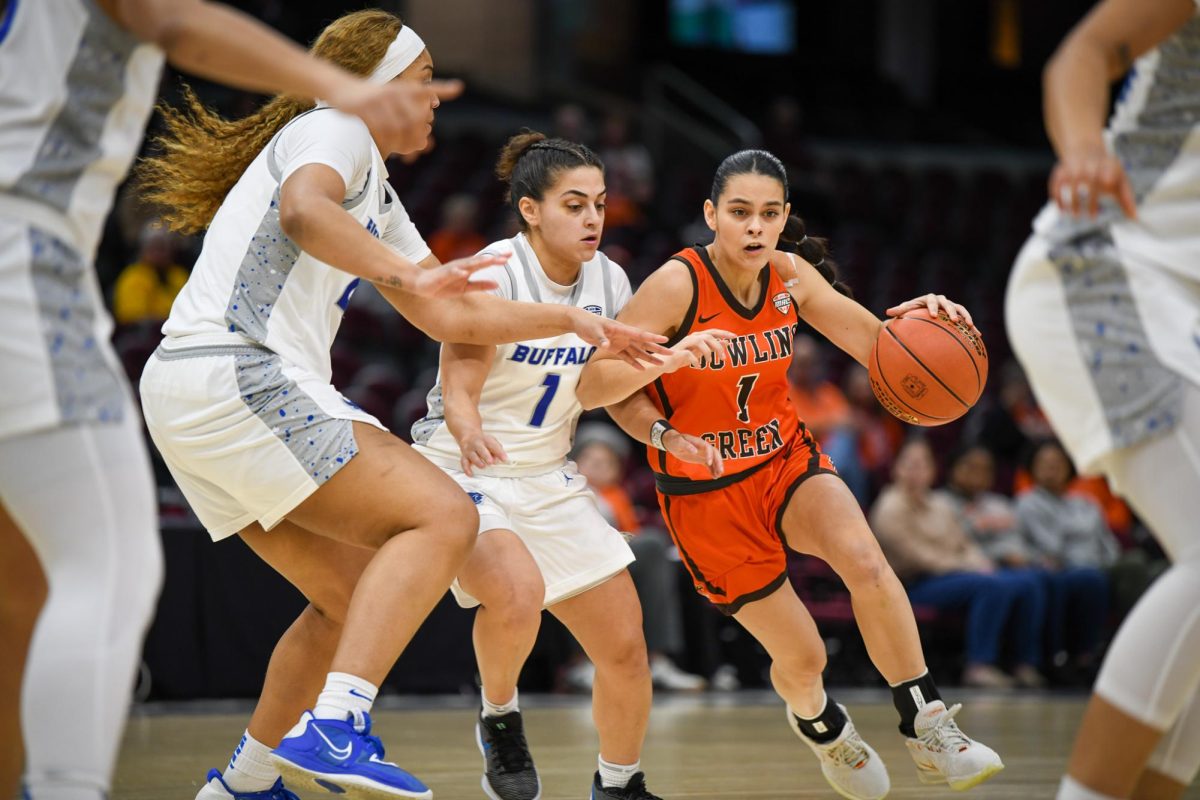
x=928, y=371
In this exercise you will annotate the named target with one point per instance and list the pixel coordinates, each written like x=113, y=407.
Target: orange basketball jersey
x=738, y=402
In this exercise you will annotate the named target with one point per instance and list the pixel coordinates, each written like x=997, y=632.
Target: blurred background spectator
x=941, y=567
x=1068, y=537
x=145, y=289
x=458, y=237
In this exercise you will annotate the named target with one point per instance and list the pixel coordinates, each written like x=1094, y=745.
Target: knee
x=458, y=521
x=332, y=603
x=802, y=666
x=862, y=566
x=516, y=605
x=624, y=654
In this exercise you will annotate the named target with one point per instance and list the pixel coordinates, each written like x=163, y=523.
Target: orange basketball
x=928, y=371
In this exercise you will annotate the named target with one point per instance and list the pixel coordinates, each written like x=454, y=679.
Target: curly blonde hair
x=202, y=155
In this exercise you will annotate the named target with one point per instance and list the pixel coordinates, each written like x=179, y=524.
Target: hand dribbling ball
x=928, y=371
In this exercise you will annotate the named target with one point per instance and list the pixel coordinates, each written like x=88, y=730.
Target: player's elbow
x=296, y=217
x=161, y=24
x=587, y=395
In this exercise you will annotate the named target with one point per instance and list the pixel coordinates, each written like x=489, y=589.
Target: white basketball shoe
x=944, y=754
x=849, y=764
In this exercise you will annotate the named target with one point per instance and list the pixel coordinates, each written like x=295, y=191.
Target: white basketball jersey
x=76, y=90
x=1155, y=131
x=75, y=93
x=252, y=283
x=528, y=400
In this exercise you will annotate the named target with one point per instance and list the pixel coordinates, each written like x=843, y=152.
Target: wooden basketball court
x=711, y=746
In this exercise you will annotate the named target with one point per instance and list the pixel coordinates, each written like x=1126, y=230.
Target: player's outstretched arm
x=311, y=214
x=479, y=318
x=843, y=320
x=839, y=318
x=636, y=414
x=222, y=44
x=1075, y=91
x=659, y=305
x=464, y=369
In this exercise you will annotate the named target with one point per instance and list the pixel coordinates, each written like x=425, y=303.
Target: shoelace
x=946, y=734
x=362, y=724
x=510, y=747
x=849, y=753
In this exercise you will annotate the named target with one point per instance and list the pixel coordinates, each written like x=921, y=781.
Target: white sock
x=491, y=709
x=616, y=776
x=343, y=695
x=250, y=769
x=1071, y=789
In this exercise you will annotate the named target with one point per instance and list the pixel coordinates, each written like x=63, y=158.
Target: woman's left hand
x=934, y=303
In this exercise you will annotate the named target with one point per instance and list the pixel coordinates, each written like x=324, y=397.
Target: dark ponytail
x=530, y=164
x=813, y=249
x=794, y=237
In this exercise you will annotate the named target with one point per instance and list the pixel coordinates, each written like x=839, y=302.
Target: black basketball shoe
x=634, y=790
x=508, y=771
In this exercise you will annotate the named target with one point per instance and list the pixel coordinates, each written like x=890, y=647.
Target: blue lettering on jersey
x=372, y=228
x=344, y=300
x=595, y=309
x=476, y=497
x=551, y=356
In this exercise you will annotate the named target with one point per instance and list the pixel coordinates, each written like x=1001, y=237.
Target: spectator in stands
x=943, y=568
x=879, y=434
x=1009, y=422
x=146, y=288
x=824, y=409
x=988, y=517
x=458, y=237
x=1068, y=536
x=601, y=452
x=628, y=174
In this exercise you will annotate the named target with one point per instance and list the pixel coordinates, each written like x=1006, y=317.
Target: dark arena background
x=913, y=138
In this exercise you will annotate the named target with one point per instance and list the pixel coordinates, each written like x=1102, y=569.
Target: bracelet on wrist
x=657, y=431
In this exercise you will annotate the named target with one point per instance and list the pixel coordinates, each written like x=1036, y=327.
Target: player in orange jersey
x=739, y=300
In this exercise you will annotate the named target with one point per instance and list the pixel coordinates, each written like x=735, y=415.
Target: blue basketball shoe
x=218, y=789
x=342, y=757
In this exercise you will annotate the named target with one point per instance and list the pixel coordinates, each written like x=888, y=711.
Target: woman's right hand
x=696, y=347
x=480, y=450
x=1083, y=174
x=452, y=279
x=694, y=450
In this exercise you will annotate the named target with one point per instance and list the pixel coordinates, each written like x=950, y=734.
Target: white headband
x=402, y=52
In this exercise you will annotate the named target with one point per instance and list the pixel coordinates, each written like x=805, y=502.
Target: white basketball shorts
x=557, y=518
x=246, y=434
x=1110, y=341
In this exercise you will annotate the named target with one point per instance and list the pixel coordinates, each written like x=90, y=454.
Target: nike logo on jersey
x=339, y=753
x=709, y=318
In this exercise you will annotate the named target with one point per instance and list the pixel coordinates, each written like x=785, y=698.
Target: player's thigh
x=823, y=519
x=606, y=620
x=385, y=489
x=325, y=571
x=501, y=574
x=783, y=626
